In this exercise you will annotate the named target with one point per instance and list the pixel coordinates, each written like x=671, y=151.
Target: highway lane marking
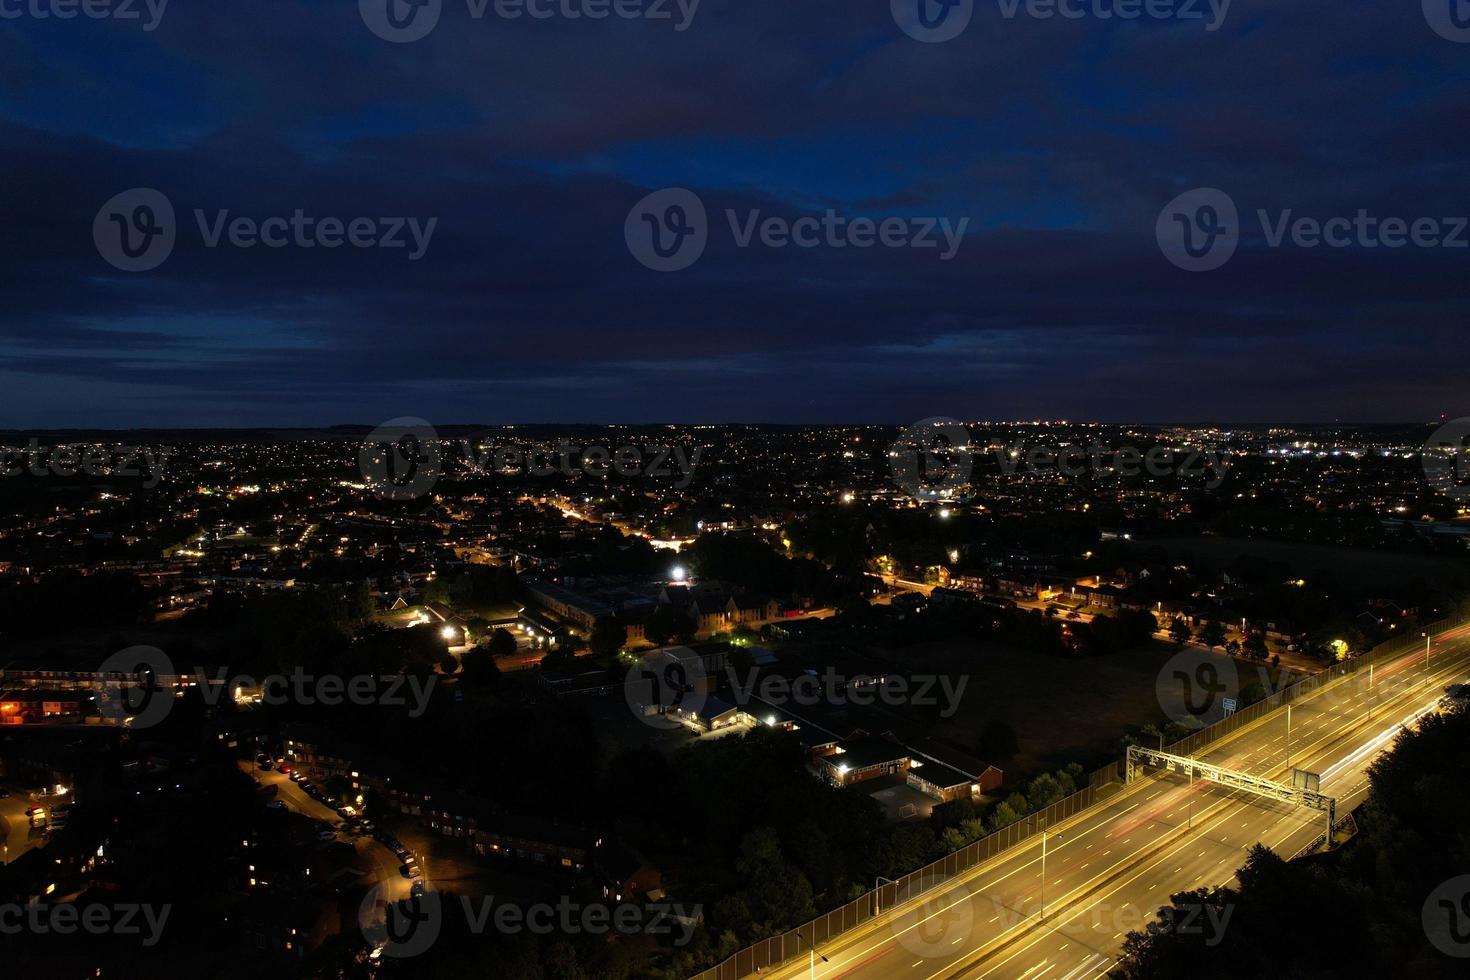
x=1233, y=798
x=1103, y=817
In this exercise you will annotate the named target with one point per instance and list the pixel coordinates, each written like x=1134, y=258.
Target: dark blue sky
x=1059, y=140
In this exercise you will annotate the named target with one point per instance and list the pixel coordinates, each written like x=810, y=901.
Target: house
x=35, y=706
x=864, y=757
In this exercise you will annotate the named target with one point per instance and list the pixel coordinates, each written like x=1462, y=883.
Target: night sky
x=1060, y=140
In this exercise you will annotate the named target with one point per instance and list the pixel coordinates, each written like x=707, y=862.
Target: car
x=266, y=767
x=367, y=826
x=4, y=793
x=410, y=871
x=34, y=810
x=417, y=891
x=346, y=812
x=326, y=835
x=297, y=776
x=277, y=804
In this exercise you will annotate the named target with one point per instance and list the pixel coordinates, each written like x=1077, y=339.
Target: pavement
x=1109, y=868
x=16, y=834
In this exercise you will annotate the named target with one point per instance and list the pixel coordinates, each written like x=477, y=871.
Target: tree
x=1255, y=645
x=608, y=638
x=1212, y=634
x=478, y=665
x=1179, y=630
x=502, y=643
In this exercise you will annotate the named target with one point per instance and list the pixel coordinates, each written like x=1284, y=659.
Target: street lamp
x=814, y=953
x=877, y=894
x=1037, y=821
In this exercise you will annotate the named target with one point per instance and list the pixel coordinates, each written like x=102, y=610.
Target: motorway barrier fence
x=796, y=942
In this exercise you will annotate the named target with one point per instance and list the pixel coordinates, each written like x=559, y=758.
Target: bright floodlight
x=447, y=632
x=678, y=573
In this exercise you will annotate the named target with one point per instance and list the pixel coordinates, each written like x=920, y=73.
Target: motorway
x=1109, y=868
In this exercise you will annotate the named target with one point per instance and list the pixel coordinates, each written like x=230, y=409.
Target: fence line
x=794, y=942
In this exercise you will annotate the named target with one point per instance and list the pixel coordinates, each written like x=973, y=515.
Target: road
x=373, y=858
x=15, y=829
x=1109, y=868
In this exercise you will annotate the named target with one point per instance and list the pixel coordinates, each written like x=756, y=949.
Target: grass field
x=1062, y=710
